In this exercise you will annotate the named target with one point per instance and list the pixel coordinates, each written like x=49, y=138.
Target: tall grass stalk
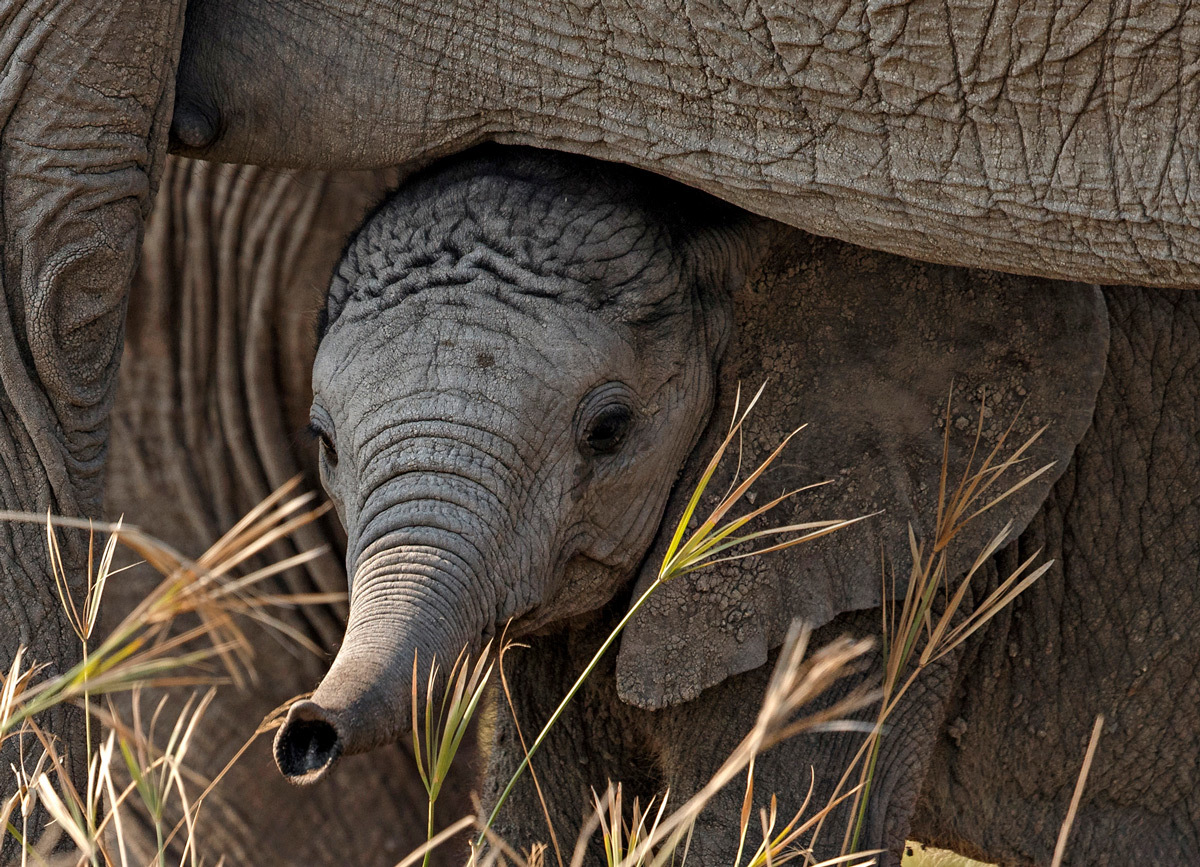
x=505, y=647
x=444, y=733
x=701, y=548
x=797, y=680
x=1064, y=832
x=144, y=649
x=977, y=491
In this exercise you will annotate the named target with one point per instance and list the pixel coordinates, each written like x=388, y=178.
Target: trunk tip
x=308, y=743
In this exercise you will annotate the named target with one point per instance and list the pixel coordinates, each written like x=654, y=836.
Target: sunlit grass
x=147, y=649
x=913, y=625
x=444, y=731
x=655, y=837
x=930, y=623
x=798, y=679
x=921, y=856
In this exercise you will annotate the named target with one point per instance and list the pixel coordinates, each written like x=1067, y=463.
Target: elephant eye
x=608, y=430
x=604, y=419
x=328, y=449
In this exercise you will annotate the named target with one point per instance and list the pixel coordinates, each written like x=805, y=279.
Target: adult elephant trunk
x=419, y=592
x=85, y=101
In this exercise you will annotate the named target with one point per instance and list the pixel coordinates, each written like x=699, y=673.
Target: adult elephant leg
x=696, y=737
x=215, y=393
x=1110, y=629
x=85, y=100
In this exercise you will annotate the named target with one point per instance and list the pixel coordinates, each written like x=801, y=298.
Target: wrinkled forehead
x=469, y=354
x=443, y=322
x=582, y=238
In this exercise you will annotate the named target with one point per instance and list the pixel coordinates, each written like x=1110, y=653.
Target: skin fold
x=85, y=103
x=1044, y=139
x=523, y=352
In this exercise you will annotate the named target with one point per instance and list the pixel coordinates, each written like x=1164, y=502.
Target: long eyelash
x=315, y=434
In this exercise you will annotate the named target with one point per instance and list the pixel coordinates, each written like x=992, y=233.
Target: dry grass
x=798, y=679
x=913, y=638
x=913, y=625
x=654, y=836
x=707, y=545
x=150, y=648
x=1064, y=833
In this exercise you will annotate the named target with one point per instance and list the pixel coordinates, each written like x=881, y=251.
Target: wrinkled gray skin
x=489, y=333
x=1049, y=140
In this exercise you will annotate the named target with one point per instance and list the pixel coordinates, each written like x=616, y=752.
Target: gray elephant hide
x=864, y=349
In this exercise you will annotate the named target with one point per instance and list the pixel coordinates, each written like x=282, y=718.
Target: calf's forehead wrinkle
x=544, y=196
x=584, y=237
x=478, y=361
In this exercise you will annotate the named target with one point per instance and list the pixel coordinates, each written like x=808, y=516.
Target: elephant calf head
x=517, y=356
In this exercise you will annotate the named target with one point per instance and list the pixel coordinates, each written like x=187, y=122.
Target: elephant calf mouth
x=308, y=743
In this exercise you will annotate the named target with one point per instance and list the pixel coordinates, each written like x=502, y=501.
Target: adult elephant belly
x=212, y=404
x=1047, y=138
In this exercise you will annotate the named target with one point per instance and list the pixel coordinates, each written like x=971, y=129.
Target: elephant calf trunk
x=404, y=607
x=363, y=702
x=309, y=742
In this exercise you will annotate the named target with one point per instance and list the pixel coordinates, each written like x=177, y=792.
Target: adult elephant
x=1049, y=138
x=1027, y=139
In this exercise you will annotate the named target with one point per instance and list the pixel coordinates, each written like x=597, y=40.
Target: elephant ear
x=865, y=349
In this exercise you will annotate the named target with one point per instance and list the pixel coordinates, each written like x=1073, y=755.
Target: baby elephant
x=525, y=362
x=517, y=355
